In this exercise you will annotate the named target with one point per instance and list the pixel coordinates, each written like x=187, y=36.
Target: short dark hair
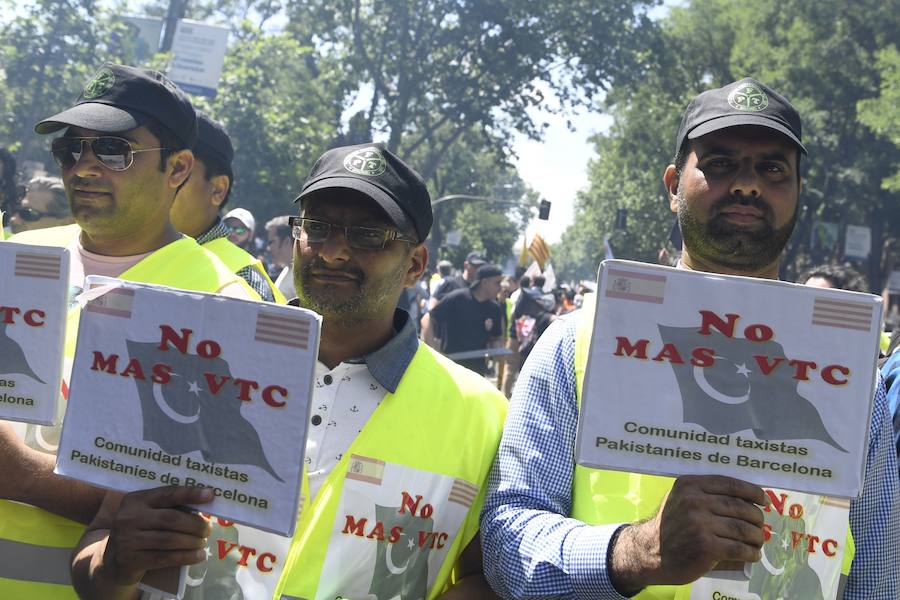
x=280, y=226
x=214, y=167
x=538, y=281
x=524, y=281
x=842, y=277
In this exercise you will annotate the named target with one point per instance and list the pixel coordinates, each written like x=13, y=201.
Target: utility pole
x=177, y=10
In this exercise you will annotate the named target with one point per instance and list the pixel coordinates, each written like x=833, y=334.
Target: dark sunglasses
x=313, y=231
x=31, y=215
x=238, y=229
x=114, y=153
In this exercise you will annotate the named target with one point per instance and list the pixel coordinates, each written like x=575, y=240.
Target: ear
x=220, y=186
x=418, y=260
x=670, y=180
x=180, y=165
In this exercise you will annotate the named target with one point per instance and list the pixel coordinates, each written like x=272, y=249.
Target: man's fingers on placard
x=177, y=495
x=169, y=541
x=178, y=521
x=160, y=559
x=738, y=530
x=729, y=486
x=729, y=506
x=734, y=550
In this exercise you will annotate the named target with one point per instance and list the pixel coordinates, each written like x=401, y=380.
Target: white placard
x=198, y=53
x=144, y=34
x=33, y=297
x=697, y=373
x=805, y=540
x=858, y=242
x=173, y=387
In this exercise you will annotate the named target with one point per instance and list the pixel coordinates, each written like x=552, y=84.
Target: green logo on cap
x=748, y=97
x=366, y=161
x=101, y=83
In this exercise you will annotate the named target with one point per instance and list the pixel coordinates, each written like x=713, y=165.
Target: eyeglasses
x=238, y=229
x=114, y=153
x=313, y=231
x=29, y=214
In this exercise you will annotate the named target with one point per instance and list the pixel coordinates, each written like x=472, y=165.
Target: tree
x=821, y=55
x=48, y=51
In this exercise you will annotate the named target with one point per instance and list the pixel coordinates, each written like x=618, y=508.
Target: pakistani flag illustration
x=401, y=568
x=12, y=358
x=734, y=395
x=183, y=415
x=784, y=571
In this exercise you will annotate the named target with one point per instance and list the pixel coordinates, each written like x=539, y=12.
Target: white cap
x=243, y=215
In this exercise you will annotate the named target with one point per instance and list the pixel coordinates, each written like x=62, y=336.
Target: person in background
x=240, y=223
x=842, y=277
x=44, y=205
x=8, y=196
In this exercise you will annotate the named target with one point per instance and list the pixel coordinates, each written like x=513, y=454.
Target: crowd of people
x=409, y=365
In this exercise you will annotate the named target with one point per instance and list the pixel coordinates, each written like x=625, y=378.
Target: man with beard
x=401, y=439
x=555, y=530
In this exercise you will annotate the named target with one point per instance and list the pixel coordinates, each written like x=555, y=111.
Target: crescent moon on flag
x=389, y=561
x=169, y=411
x=42, y=441
x=700, y=378
x=768, y=566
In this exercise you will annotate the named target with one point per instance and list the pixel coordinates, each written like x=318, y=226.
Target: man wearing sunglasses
x=123, y=154
x=400, y=439
x=199, y=202
x=44, y=205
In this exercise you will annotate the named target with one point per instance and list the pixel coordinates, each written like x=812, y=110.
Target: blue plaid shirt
x=891, y=372
x=533, y=550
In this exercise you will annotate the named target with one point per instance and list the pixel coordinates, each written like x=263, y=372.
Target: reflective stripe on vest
x=181, y=264
x=236, y=258
x=602, y=497
x=42, y=564
x=419, y=429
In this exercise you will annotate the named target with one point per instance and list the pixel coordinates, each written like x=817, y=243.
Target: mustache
x=752, y=201
x=317, y=264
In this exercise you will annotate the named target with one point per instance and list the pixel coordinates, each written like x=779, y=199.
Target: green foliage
x=882, y=114
x=48, y=50
x=821, y=55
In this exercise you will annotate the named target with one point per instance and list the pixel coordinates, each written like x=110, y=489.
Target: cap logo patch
x=366, y=161
x=748, y=97
x=101, y=83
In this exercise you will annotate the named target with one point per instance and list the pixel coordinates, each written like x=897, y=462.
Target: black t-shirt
x=463, y=323
x=450, y=284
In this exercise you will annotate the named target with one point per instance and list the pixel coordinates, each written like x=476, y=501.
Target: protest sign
x=699, y=373
x=33, y=300
x=172, y=387
x=805, y=538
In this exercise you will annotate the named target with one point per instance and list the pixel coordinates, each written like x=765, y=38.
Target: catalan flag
x=539, y=249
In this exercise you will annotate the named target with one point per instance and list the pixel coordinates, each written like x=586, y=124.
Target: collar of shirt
x=218, y=230
x=388, y=364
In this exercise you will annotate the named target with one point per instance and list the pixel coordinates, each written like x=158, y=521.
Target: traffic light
x=621, y=219
x=544, y=210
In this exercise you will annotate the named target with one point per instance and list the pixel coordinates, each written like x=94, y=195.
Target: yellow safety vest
x=403, y=502
x=236, y=258
x=35, y=545
x=601, y=497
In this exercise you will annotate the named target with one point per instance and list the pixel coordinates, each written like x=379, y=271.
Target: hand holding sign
x=704, y=520
x=149, y=530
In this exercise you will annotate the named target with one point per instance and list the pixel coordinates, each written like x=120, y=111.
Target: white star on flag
x=193, y=387
x=743, y=370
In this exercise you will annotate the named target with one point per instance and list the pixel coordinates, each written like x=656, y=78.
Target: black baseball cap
x=475, y=259
x=485, y=271
x=375, y=171
x=744, y=102
x=213, y=141
x=119, y=98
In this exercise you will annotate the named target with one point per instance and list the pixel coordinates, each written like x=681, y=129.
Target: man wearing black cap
x=201, y=199
x=401, y=439
x=469, y=319
x=553, y=530
x=124, y=151
x=473, y=261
